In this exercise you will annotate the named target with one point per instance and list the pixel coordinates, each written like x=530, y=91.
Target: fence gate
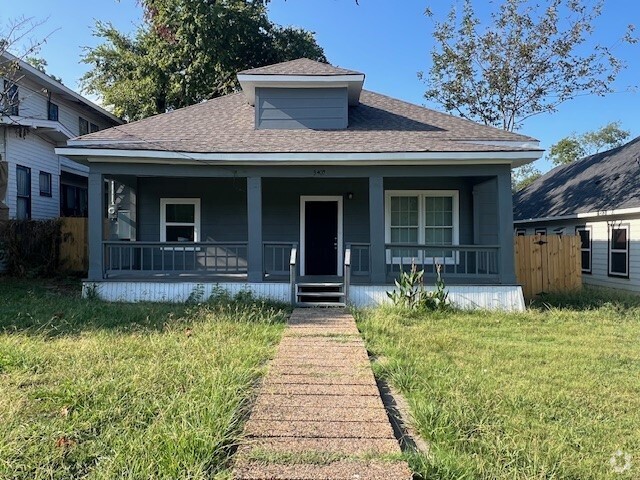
x=548, y=264
x=73, y=248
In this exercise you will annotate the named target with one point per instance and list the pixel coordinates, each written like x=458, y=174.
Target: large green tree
x=530, y=58
x=187, y=51
x=574, y=147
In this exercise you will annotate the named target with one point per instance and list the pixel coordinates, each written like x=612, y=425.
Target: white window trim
x=586, y=228
x=520, y=232
x=421, y=194
x=624, y=226
x=163, y=218
x=540, y=231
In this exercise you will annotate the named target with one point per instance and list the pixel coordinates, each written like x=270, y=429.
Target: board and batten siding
x=36, y=153
x=599, y=275
x=299, y=108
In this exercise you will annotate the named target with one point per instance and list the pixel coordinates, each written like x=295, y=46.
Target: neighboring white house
x=598, y=198
x=37, y=114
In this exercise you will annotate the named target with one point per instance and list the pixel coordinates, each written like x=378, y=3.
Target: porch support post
x=376, y=230
x=254, y=219
x=95, y=226
x=505, y=223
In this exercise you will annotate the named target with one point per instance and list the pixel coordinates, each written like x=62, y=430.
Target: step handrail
x=347, y=272
x=293, y=258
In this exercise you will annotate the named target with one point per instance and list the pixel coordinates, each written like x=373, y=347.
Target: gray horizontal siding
x=223, y=208
x=299, y=108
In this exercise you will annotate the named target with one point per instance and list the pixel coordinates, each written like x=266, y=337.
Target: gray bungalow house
x=301, y=187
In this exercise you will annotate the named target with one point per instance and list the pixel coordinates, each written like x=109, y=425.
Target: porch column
x=505, y=227
x=254, y=219
x=376, y=230
x=95, y=226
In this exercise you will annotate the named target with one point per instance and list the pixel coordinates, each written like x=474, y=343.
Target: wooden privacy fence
x=73, y=248
x=548, y=263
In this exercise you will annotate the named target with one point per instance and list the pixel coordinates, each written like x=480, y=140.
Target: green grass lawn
x=550, y=393
x=122, y=391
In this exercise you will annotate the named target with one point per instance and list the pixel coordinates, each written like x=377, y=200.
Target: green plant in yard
x=110, y=390
x=411, y=294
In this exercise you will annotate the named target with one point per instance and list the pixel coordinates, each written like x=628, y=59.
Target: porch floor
x=320, y=399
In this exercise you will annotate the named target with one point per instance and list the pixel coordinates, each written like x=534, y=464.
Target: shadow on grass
x=589, y=298
x=55, y=308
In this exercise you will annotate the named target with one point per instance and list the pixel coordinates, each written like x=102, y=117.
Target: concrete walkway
x=319, y=414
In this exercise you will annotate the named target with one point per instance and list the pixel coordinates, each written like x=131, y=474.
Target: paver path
x=319, y=414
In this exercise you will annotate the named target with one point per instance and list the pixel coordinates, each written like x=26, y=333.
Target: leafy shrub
x=30, y=248
x=410, y=292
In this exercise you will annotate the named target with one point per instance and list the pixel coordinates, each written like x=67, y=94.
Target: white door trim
x=320, y=198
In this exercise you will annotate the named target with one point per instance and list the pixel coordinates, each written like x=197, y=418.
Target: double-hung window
x=427, y=217
x=83, y=126
x=585, y=247
x=179, y=219
x=52, y=111
x=619, y=250
x=45, y=184
x=23, y=193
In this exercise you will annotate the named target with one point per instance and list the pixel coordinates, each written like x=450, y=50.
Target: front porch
x=276, y=229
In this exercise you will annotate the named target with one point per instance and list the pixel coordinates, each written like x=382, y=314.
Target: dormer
x=301, y=94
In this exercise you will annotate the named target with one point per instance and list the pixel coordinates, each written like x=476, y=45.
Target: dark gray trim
x=254, y=219
x=295, y=171
x=96, y=209
x=505, y=222
x=376, y=229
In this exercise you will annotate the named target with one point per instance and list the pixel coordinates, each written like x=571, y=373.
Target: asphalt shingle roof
x=604, y=181
x=299, y=67
x=378, y=124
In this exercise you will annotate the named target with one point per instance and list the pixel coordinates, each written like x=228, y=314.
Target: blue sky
x=388, y=40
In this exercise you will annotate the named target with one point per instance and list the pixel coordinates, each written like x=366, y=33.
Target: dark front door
x=321, y=238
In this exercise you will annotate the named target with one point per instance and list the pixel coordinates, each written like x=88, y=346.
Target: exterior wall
x=297, y=108
x=33, y=104
x=35, y=152
x=223, y=207
x=281, y=206
x=600, y=248
x=485, y=206
x=490, y=297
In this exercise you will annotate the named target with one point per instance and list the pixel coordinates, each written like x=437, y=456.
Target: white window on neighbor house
x=83, y=126
x=619, y=250
x=426, y=217
x=585, y=247
x=521, y=232
x=179, y=219
x=540, y=231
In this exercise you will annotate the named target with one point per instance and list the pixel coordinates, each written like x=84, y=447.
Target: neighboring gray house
x=37, y=114
x=303, y=171
x=598, y=198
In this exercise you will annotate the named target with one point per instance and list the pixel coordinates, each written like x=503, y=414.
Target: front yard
x=551, y=393
x=111, y=391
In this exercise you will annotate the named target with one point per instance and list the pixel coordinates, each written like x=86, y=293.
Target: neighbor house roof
x=602, y=182
x=378, y=124
x=302, y=67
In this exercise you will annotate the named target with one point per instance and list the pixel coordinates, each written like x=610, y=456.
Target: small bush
x=30, y=248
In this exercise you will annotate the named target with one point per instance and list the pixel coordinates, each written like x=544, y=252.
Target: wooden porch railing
x=276, y=257
x=471, y=262
x=129, y=258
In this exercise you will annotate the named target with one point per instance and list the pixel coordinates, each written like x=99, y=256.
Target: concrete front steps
x=319, y=414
